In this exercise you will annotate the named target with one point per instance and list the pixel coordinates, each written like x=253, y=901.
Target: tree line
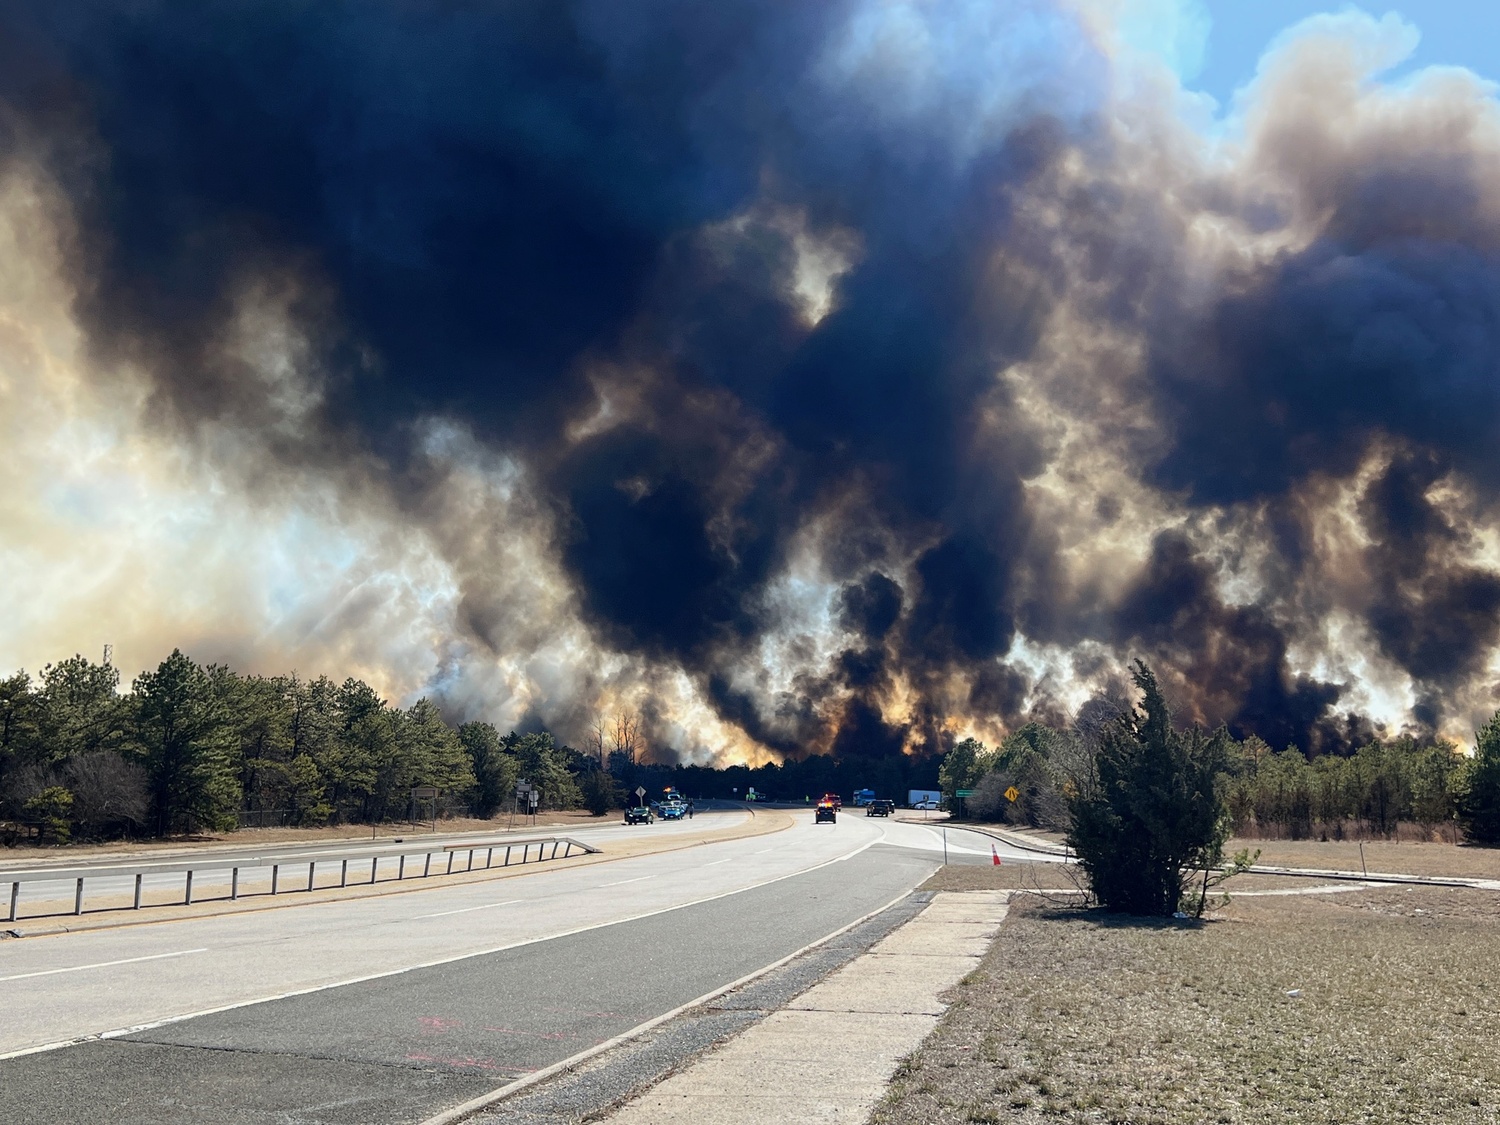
x=1266, y=793
x=1148, y=808
x=200, y=748
x=193, y=748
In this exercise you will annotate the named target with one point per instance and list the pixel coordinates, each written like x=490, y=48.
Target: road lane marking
x=102, y=964
x=622, y=882
x=468, y=909
x=468, y=1109
x=165, y=1021
x=716, y=862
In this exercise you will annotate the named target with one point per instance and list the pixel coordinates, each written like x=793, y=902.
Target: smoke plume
x=805, y=377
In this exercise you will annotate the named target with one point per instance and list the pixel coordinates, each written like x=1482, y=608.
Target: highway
x=294, y=861
x=392, y=1008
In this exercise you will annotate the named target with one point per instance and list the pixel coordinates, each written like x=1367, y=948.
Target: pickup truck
x=879, y=807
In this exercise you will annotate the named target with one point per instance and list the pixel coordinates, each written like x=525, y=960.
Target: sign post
x=640, y=794
x=424, y=793
x=523, y=793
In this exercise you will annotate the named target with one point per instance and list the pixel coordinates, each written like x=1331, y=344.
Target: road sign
x=1012, y=794
x=424, y=791
x=523, y=787
x=640, y=792
x=963, y=792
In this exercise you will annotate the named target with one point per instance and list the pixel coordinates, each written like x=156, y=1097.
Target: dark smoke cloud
x=862, y=370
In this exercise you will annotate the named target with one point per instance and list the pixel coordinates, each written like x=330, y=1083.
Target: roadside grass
x=1078, y=1016
x=1388, y=856
x=1009, y=876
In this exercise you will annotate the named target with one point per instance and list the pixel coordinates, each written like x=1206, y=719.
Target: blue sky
x=1454, y=32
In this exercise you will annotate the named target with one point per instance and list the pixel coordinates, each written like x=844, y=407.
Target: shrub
x=1154, y=818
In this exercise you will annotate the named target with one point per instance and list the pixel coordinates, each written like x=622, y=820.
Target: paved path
x=829, y=1055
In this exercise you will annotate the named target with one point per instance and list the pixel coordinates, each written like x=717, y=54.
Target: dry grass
x=1081, y=1017
x=1006, y=877
x=1409, y=858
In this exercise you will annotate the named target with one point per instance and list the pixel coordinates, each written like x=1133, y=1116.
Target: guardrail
x=546, y=848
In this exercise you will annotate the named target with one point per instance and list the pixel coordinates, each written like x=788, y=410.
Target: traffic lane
x=146, y=1083
x=488, y=1018
x=293, y=861
x=98, y=981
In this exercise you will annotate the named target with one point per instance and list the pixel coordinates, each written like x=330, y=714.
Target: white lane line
x=622, y=882
x=468, y=909
x=115, y=1033
x=103, y=964
x=468, y=1109
x=716, y=862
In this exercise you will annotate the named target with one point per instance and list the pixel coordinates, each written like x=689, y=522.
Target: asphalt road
x=47, y=896
x=393, y=1008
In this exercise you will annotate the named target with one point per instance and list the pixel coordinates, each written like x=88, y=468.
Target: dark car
x=639, y=815
x=880, y=808
x=826, y=814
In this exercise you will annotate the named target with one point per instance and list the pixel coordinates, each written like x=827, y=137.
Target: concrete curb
x=485, y=1101
x=832, y=1051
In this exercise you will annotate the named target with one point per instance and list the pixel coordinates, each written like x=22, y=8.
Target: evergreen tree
x=494, y=770
x=1479, y=803
x=184, y=739
x=1154, y=818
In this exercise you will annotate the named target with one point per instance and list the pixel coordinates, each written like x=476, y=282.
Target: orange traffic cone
x=995, y=856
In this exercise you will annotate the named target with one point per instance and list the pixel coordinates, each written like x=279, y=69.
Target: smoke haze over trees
x=846, y=377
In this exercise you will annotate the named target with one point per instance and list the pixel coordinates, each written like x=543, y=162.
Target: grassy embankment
x=1076, y=1016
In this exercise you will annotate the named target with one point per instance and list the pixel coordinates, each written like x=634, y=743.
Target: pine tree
x=1154, y=818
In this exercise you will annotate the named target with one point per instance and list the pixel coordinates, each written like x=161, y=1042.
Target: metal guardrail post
x=561, y=847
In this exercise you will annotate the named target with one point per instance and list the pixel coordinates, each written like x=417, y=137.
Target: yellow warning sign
x=1011, y=794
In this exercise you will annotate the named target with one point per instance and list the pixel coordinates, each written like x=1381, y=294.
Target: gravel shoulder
x=1372, y=1006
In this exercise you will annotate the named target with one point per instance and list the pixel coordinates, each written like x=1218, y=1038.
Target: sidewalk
x=829, y=1055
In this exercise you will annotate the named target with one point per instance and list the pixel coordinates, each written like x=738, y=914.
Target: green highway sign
x=963, y=792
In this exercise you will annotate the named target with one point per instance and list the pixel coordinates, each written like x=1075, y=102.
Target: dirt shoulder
x=1082, y=1017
